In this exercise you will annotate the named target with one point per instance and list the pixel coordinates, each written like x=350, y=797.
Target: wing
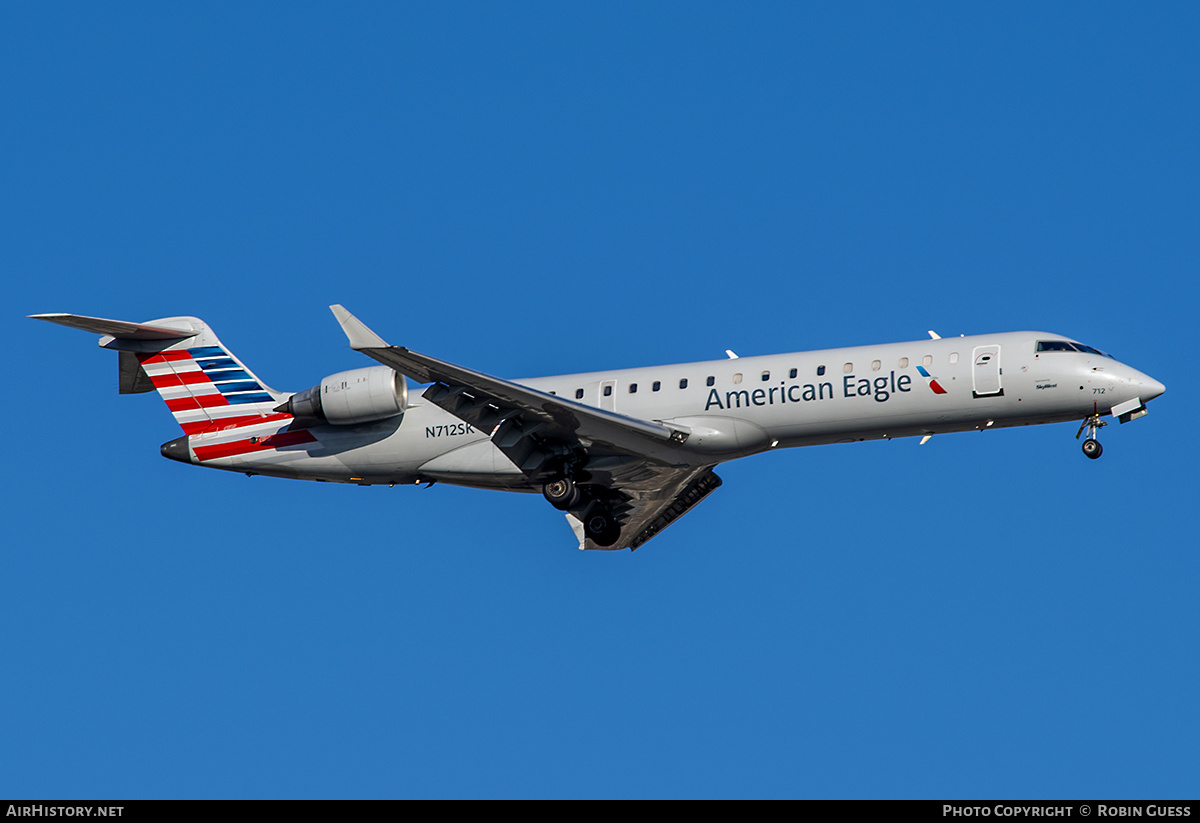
x=647, y=475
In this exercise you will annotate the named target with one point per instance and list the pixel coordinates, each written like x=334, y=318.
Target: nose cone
x=1142, y=385
x=1151, y=388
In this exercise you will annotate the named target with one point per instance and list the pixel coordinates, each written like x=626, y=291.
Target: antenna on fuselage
x=934, y=335
x=730, y=354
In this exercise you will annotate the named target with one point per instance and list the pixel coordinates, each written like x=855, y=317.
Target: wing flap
x=654, y=519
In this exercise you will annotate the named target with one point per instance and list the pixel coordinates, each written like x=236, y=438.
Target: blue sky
x=544, y=188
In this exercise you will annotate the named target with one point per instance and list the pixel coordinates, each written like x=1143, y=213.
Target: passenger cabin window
x=848, y=368
x=876, y=365
x=953, y=357
x=766, y=376
x=633, y=388
x=820, y=370
x=710, y=381
x=792, y=373
x=579, y=394
x=657, y=385
x=683, y=383
x=927, y=360
x=737, y=378
x=904, y=362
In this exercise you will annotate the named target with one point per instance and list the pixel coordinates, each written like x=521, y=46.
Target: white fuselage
x=732, y=408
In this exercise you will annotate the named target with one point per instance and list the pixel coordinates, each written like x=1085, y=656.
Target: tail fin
x=202, y=383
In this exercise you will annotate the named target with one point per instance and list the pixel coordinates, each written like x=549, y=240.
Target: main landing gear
x=562, y=493
x=600, y=526
x=585, y=503
x=1091, y=446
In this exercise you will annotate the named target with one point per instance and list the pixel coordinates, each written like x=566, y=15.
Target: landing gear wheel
x=562, y=493
x=1093, y=424
x=601, y=528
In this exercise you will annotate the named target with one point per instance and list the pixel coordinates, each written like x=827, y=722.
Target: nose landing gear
x=1091, y=446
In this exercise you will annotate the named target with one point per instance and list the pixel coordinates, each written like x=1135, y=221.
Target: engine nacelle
x=349, y=397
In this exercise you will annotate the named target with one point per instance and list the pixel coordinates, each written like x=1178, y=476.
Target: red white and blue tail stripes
x=226, y=411
x=207, y=389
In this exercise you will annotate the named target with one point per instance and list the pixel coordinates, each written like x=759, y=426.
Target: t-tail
x=206, y=387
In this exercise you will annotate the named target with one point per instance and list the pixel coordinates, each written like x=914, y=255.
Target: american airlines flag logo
x=934, y=385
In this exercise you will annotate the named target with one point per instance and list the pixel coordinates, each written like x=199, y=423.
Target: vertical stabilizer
x=204, y=385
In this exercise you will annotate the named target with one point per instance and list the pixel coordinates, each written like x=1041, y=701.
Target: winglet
x=577, y=526
x=359, y=335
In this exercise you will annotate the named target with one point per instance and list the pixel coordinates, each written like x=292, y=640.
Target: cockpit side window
x=1054, y=345
x=1064, y=345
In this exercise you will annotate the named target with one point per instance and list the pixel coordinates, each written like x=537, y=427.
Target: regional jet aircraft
x=624, y=453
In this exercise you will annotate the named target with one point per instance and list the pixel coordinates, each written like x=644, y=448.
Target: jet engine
x=349, y=397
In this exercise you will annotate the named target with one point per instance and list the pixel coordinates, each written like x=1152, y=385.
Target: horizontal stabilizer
x=117, y=328
x=203, y=384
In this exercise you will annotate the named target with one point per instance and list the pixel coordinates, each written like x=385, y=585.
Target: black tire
x=1092, y=448
x=561, y=493
x=601, y=528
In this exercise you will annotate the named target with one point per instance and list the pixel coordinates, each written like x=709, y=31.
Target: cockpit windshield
x=1066, y=345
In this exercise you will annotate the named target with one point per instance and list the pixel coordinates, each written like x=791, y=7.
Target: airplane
x=622, y=453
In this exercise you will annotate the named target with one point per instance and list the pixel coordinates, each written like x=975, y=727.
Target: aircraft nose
x=1151, y=388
